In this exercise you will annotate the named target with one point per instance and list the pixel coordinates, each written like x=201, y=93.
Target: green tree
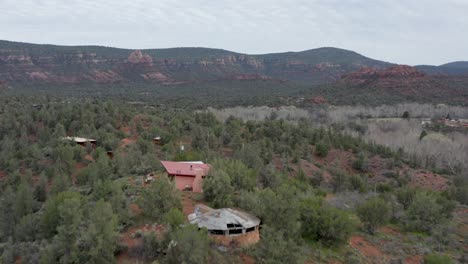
x=188, y=244
x=24, y=201
x=276, y=248
x=159, y=198
x=51, y=219
x=322, y=148
x=437, y=259
x=152, y=246
x=405, y=115
x=269, y=177
x=217, y=189
x=68, y=232
x=338, y=180
x=424, y=212
x=8, y=256
x=7, y=217
x=99, y=240
x=405, y=196
x=40, y=192
x=361, y=163
x=324, y=223
x=422, y=135
x=242, y=177
x=374, y=213
x=174, y=218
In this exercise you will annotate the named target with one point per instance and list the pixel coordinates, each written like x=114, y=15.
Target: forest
x=323, y=186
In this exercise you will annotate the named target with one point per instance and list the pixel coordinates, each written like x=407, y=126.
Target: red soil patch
x=3, y=175
x=310, y=169
x=88, y=157
x=414, y=260
x=366, y=249
x=392, y=231
x=126, y=129
x=227, y=152
x=78, y=167
x=246, y=259
x=135, y=209
x=127, y=141
x=189, y=202
x=430, y=181
x=130, y=241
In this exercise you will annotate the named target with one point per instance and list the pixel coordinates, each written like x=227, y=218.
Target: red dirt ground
x=78, y=167
x=88, y=157
x=414, y=260
x=309, y=169
x=126, y=141
x=246, y=259
x=392, y=231
x=189, y=202
x=130, y=242
x=126, y=129
x=343, y=159
x=3, y=175
x=367, y=250
x=135, y=209
x=428, y=180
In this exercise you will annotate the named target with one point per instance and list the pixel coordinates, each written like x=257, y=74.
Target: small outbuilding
x=81, y=141
x=157, y=141
x=227, y=226
x=188, y=175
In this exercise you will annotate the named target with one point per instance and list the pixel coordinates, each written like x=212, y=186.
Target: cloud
x=412, y=32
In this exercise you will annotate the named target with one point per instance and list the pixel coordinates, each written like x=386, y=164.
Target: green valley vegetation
x=313, y=187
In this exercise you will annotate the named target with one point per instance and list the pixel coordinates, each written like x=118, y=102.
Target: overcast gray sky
x=400, y=31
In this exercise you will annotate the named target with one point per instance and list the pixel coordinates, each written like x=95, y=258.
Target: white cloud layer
x=401, y=31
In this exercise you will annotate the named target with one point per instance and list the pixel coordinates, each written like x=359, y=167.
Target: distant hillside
x=395, y=84
x=453, y=68
x=218, y=76
x=32, y=63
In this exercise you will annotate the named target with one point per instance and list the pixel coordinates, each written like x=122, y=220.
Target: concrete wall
x=242, y=240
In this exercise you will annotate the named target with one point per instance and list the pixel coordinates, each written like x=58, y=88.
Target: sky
x=399, y=31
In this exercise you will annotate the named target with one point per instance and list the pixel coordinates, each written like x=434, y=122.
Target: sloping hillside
x=21, y=62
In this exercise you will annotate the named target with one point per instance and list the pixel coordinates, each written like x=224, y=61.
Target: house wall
x=182, y=181
x=197, y=183
x=243, y=240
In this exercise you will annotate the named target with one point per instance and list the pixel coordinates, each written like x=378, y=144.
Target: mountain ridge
x=336, y=74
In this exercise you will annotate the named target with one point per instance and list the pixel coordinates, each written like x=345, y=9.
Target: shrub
x=425, y=212
x=217, y=189
x=275, y=248
x=357, y=183
x=322, y=148
x=361, y=163
x=323, y=223
x=160, y=197
x=437, y=259
x=374, y=213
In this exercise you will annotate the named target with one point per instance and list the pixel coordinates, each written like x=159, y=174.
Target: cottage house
x=188, y=175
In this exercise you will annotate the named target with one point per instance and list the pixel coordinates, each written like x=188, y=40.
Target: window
x=235, y=231
x=250, y=229
x=216, y=232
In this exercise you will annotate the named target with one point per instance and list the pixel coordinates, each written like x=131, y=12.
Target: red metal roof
x=185, y=168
